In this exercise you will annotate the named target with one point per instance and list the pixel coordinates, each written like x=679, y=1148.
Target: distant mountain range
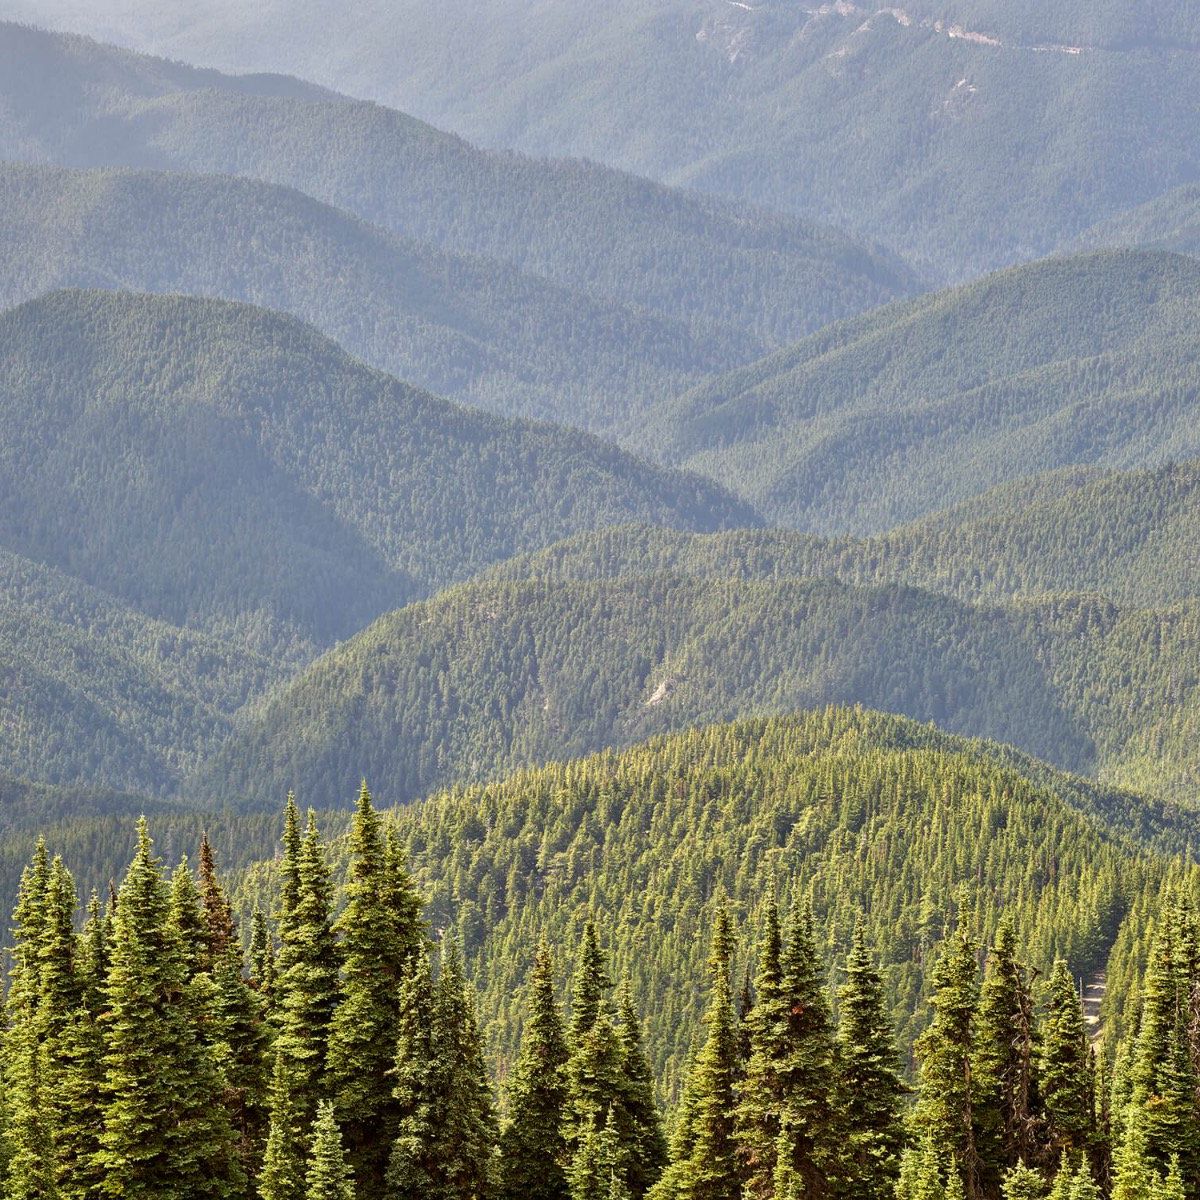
x=1093, y=359
x=969, y=134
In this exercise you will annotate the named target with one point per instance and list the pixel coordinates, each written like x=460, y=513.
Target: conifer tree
x=533, y=1150
x=241, y=1049
x=926, y=1172
x=807, y=1071
x=411, y=1170
x=871, y=1090
x=1164, y=1077
x=1023, y=1183
x=761, y=1091
x=78, y=1100
x=598, y=1169
x=590, y=984
x=306, y=985
x=1066, y=1067
x=220, y=929
x=1133, y=1176
x=446, y=1130
x=377, y=946
x=1170, y=1186
x=166, y=1132
x=1083, y=1186
x=1004, y=1086
x=188, y=919
x=466, y=1125
x=944, y=1110
x=712, y=1168
x=30, y=1126
x=635, y=1117
x=262, y=957
x=328, y=1176
x=282, y=1173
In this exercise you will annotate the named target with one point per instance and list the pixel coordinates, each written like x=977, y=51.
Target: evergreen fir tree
x=712, y=1168
x=1170, y=1186
x=466, y=1124
x=328, y=1175
x=598, y=1169
x=590, y=984
x=187, y=918
x=29, y=1124
x=1133, y=1176
x=1023, y=1183
x=447, y=1131
x=166, y=1132
x=761, y=1091
x=78, y=1099
x=1004, y=1089
x=869, y=1080
x=635, y=1118
x=533, y=1150
x=944, y=1110
x=1066, y=1067
x=1164, y=1077
x=306, y=985
x=282, y=1173
x=411, y=1170
x=220, y=930
x=377, y=947
x=1083, y=1186
x=807, y=1073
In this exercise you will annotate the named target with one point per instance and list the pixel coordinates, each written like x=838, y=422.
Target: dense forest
x=1128, y=535
x=492, y=675
x=886, y=417
x=332, y=1049
x=586, y=227
x=469, y=329
x=969, y=134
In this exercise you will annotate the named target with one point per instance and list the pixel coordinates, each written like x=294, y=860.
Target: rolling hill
x=1168, y=222
x=968, y=133
x=475, y=331
x=76, y=103
x=825, y=804
x=885, y=417
x=1129, y=535
x=220, y=466
x=495, y=675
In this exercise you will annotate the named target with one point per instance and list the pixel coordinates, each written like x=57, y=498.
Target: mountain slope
x=882, y=418
x=494, y=675
x=76, y=103
x=92, y=691
x=1130, y=535
x=221, y=466
x=474, y=331
x=825, y=804
x=970, y=133
x=1168, y=222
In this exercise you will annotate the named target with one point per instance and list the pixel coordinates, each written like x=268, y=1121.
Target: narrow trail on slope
x=1094, y=988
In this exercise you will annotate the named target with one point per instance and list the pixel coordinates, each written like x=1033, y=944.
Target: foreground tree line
x=148, y=1057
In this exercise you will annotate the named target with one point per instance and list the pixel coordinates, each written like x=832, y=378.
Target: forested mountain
x=92, y=690
x=76, y=103
x=220, y=466
x=970, y=134
x=1167, y=222
x=148, y=1053
x=826, y=804
x=475, y=331
x=888, y=416
x=1130, y=535
x=490, y=676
